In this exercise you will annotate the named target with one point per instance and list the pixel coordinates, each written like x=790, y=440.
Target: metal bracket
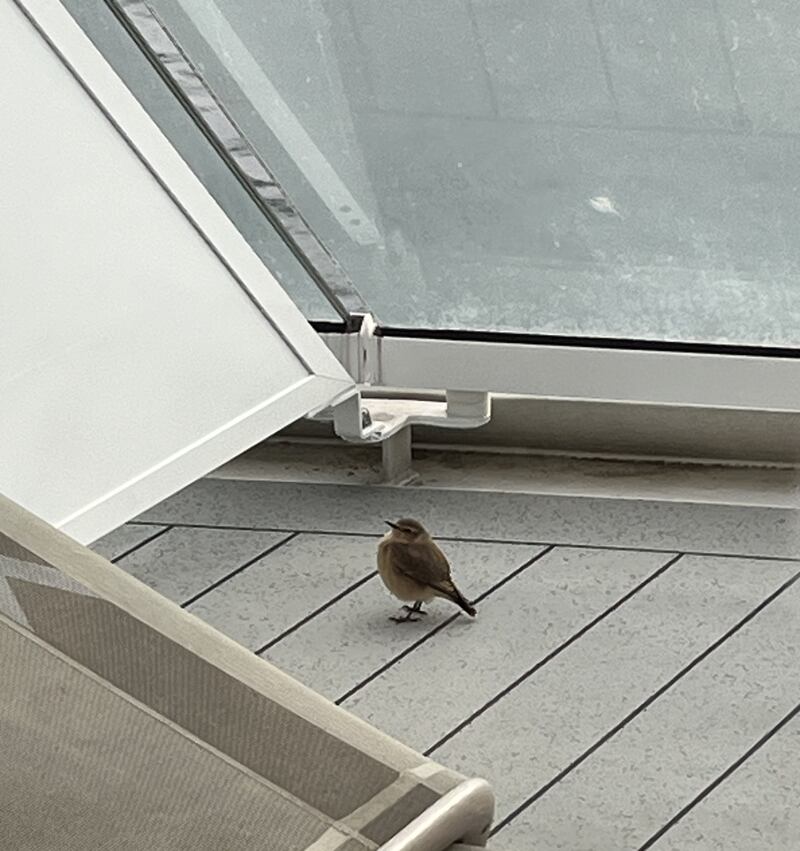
x=387, y=421
x=376, y=419
x=371, y=420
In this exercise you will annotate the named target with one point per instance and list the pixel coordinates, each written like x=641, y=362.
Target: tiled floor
x=631, y=679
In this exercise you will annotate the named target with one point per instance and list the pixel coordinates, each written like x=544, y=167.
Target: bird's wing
x=425, y=564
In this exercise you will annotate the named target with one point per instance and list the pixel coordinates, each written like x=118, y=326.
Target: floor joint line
x=733, y=767
x=552, y=655
x=439, y=627
x=149, y=539
x=318, y=611
x=474, y=540
x=237, y=570
x=698, y=659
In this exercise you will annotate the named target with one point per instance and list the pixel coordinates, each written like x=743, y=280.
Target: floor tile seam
x=354, y=586
x=509, y=689
x=238, y=570
x=476, y=540
x=647, y=702
x=721, y=778
x=149, y=539
x=441, y=626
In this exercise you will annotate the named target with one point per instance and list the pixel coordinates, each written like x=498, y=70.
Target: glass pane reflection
x=623, y=168
x=102, y=27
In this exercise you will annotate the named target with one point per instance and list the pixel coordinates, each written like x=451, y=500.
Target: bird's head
x=407, y=530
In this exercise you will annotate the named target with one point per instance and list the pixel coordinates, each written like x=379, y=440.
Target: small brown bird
x=415, y=570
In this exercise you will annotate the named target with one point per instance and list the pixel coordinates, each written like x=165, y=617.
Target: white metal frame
x=114, y=99
x=684, y=379
x=326, y=383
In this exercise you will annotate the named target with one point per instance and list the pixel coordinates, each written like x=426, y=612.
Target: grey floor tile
x=668, y=526
x=432, y=690
x=115, y=543
x=754, y=809
x=527, y=738
x=533, y=733
x=182, y=562
x=279, y=590
x=632, y=785
x=358, y=636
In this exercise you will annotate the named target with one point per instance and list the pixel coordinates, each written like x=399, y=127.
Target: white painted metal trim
x=607, y=375
x=195, y=460
x=111, y=95
x=363, y=420
x=275, y=394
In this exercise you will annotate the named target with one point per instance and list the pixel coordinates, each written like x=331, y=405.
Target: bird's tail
x=459, y=599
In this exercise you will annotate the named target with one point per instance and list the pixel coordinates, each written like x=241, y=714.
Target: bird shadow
x=434, y=618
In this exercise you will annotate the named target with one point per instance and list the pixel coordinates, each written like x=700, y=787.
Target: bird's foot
x=408, y=617
x=413, y=610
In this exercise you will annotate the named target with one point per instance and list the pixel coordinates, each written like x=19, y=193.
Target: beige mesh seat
x=127, y=723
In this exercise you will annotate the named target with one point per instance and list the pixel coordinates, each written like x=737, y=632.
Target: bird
x=415, y=570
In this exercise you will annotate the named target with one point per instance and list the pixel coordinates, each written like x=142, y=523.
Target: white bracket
x=361, y=420
x=371, y=420
x=387, y=420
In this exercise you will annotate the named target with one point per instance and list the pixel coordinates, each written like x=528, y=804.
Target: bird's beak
x=389, y=523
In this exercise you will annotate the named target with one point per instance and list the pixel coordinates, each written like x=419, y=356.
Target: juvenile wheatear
x=415, y=570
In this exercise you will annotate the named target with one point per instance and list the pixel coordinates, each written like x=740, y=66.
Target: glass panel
x=119, y=50
x=624, y=168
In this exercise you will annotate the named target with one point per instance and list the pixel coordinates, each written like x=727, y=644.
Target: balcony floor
x=630, y=680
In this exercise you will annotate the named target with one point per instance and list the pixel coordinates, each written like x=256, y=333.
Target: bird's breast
x=402, y=586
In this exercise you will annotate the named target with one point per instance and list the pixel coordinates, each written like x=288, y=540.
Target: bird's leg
x=405, y=619
x=410, y=611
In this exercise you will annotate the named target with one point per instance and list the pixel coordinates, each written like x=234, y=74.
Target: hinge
x=361, y=420
x=387, y=420
x=369, y=420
